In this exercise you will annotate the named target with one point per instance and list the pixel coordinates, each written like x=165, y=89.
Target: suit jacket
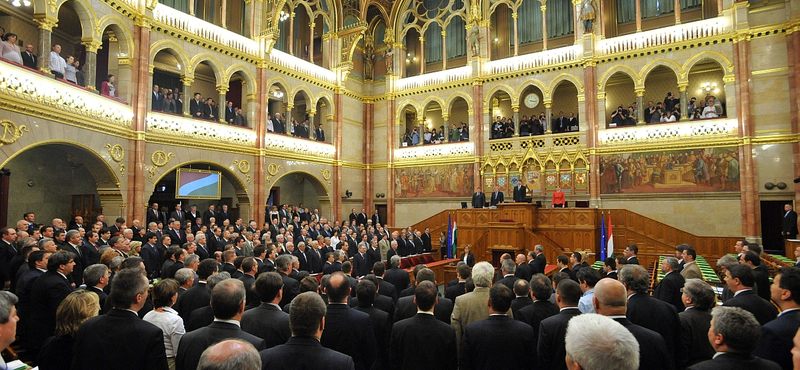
x=490, y=336
x=207, y=216
x=691, y=271
x=360, y=267
x=632, y=261
x=763, y=310
x=669, y=290
x=156, y=100
x=736, y=361
x=251, y=297
x=789, y=224
x=143, y=349
x=469, y=308
x=48, y=291
x=387, y=289
x=179, y=216
x=660, y=317
x=361, y=219
x=319, y=135
x=422, y=342
x=177, y=237
x=397, y=277
x=653, y=353
x=230, y=114
x=350, y=332
x=279, y=126
x=29, y=60
x=776, y=339
x=535, y=313
x=497, y=198
x=268, y=322
x=762, y=281
x=523, y=272
x=550, y=340
x=519, y=303
x=77, y=270
x=508, y=281
x=194, y=298
x=304, y=353
x=291, y=288
x=200, y=318
x=478, y=200
x=90, y=253
x=406, y=308
x=152, y=263
x=694, y=336
x=538, y=264
x=194, y=343
x=470, y=259
x=453, y=291
x=382, y=327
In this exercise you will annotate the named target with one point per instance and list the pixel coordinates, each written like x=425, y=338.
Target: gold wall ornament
x=272, y=170
x=244, y=167
x=326, y=175
x=11, y=132
x=117, y=153
x=159, y=158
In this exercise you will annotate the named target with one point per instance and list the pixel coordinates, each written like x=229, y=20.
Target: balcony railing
x=696, y=129
x=202, y=29
x=303, y=66
x=440, y=151
x=435, y=78
x=174, y=125
x=292, y=145
x=40, y=90
x=663, y=36
x=535, y=60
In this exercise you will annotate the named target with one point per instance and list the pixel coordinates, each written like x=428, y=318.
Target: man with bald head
x=347, y=330
x=610, y=299
x=230, y=354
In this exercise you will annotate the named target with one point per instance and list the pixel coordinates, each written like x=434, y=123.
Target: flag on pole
x=602, y=238
x=449, y=235
x=610, y=248
x=454, y=240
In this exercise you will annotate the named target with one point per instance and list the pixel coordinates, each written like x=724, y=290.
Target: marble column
x=683, y=88
x=638, y=16
x=188, y=95
x=421, y=58
x=444, y=50
x=91, y=62
x=291, y=33
x=548, y=114
x=46, y=25
x=311, y=42
x=338, y=105
x=544, y=24
x=592, y=124
x=253, y=10
x=140, y=100
x=515, y=109
x=311, y=113
x=477, y=134
x=514, y=16
x=640, y=103
x=793, y=50
x=677, y=11
x=369, y=138
x=224, y=14
x=391, y=123
x=222, y=90
x=748, y=170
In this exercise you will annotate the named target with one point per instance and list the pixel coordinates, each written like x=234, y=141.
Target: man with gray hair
x=723, y=263
x=230, y=354
x=8, y=321
x=291, y=287
x=96, y=278
x=669, y=288
x=538, y=261
x=509, y=268
x=73, y=244
x=397, y=276
x=228, y=302
x=472, y=306
x=185, y=278
x=695, y=320
x=596, y=342
x=734, y=334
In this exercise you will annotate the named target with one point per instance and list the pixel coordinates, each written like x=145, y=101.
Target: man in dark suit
x=303, y=350
x=319, y=135
x=572, y=122
x=366, y=292
x=156, y=99
x=145, y=350
x=459, y=288
x=267, y=320
x=73, y=244
x=176, y=235
x=178, y=214
x=376, y=219
x=484, y=339
x=361, y=218
x=610, y=267
x=468, y=257
x=196, y=106
x=542, y=308
x=740, y=280
x=395, y=275
x=523, y=269
x=230, y=113
x=149, y=254
x=789, y=223
x=776, y=336
x=47, y=292
x=422, y=342
x=648, y=312
x=630, y=254
x=670, y=287
x=384, y=287
x=228, y=302
x=497, y=197
x=538, y=262
x=478, y=198
x=699, y=299
x=522, y=299
x=751, y=259
x=609, y=300
x=278, y=124
x=197, y=296
x=249, y=271
x=508, y=268
x=406, y=307
x=552, y=330
x=222, y=215
x=347, y=331
x=360, y=266
x=561, y=123
x=153, y=214
x=734, y=335
x=562, y=266
x=29, y=58
x=208, y=214
x=291, y=287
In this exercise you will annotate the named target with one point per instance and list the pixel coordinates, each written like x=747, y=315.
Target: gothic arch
x=565, y=77
x=213, y=62
x=248, y=77
x=172, y=48
x=637, y=81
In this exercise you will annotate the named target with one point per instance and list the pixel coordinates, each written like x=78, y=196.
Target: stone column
x=126, y=73
x=422, y=126
x=260, y=127
x=327, y=128
x=592, y=124
x=515, y=109
x=311, y=113
x=288, y=117
x=46, y=24
x=222, y=90
x=391, y=122
x=253, y=10
x=338, y=105
x=291, y=33
x=444, y=50
x=544, y=24
x=224, y=14
x=369, y=140
x=188, y=95
x=477, y=135
x=548, y=113
x=514, y=16
x=748, y=170
x=677, y=11
x=446, y=122
x=638, y=16
x=91, y=62
x=421, y=54
x=140, y=100
x=640, y=112
x=683, y=87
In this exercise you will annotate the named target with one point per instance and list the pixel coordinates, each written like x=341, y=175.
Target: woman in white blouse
x=335, y=240
x=9, y=49
x=165, y=294
x=709, y=111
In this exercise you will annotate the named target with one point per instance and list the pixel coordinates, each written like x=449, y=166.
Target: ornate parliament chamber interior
x=656, y=123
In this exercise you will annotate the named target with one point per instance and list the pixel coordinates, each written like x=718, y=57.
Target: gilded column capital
x=444, y=33
x=548, y=103
x=124, y=61
x=515, y=15
x=515, y=108
x=544, y=8
x=187, y=80
x=422, y=39
x=683, y=86
x=143, y=22
x=289, y=106
x=252, y=98
x=311, y=112
x=312, y=25
x=46, y=23
x=221, y=89
x=151, y=69
x=92, y=46
x=639, y=92
x=445, y=117
x=329, y=117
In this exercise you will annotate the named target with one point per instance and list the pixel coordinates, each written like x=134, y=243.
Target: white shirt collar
x=741, y=291
x=235, y=322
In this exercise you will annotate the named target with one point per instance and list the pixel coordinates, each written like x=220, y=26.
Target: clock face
x=532, y=100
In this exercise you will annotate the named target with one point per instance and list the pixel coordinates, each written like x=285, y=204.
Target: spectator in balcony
x=631, y=119
x=69, y=70
x=29, y=58
x=319, y=133
x=508, y=128
x=107, y=88
x=692, y=105
x=426, y=137
x=407, y=138
x=440, y=137
x=619, y=116
x=668, y=116
x=156, y=99
x=454, y=133
x=634, y=109
x=561, y=123
x=543, y=120
x=656, y=118
x=415, y=136
x=464, y=133
x=179, y=104
x=573, y=122
x=536, y=126
x=524, y=130
x=10, y=50
x=497, y=128
x=168, y=105
x=709, y=111
x=649, y=111
x=240, y=119
x=279, y=124
x=305, y=131
x=57, y=63
x=209, y=110
x=230, y=112
x=436, y=137
x=696, y=114
x=293, y=129
x=670, y=101
x=196, y=106
x=80, y=74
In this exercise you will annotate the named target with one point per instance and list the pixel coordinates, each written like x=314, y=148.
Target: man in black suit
x=150, y=255
x=740, y=280
x=384, y=287
x=572, y=122
x=422, y=342
x=426, y=240
x=268, y=321
x=776, y=336
x=144, y=351
x=497, y=197
x=562, y=266
x=347, y=331
x=552, y=330
x=561, y=123
x=228, y=302
x=699, y=299
x=376, y=219
x=522, y=299
x=176, y=235
x=395, y=275
x=197, y=296
x=789, y=223
x=734, y=335
x=153, y=214
x=73, y=244
x=467, y=257
x=208, y=214
x=303, y=350
x=648, y=312
x=609, y=300
x=360, y=266
x=509, y=268
x=196, y=106
x=291, y=287
x=366, y=292
x=278, y=124
x=319, y=135
x=630, y=254
x=361, y=218
x=29, y=58
x=670, y=287
x=478, y=198
x=520, y=191
x=249, y=271
x=523, y=269
x=538, y=261
x=484, y=339
x=178, y=214
x=406, y=308
x=610, y=267
x=47, y=292
x=156, y=99
x=751, y=259
x=542, y=308
x=222, y=215
x=460, y=285
x=230, y=113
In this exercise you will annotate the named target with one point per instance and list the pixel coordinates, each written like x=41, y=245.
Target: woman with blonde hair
x=165, y=294
x=136, y=247
x=76, y=308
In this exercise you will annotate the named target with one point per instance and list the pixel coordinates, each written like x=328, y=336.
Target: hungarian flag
x=602, y=238
x=451, y=236
x=454, y=240
x=610, y=248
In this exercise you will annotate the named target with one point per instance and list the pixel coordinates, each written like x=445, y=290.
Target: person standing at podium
x=478, y=198
x=520, y=191
x=497, y=197
x=559, y=199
